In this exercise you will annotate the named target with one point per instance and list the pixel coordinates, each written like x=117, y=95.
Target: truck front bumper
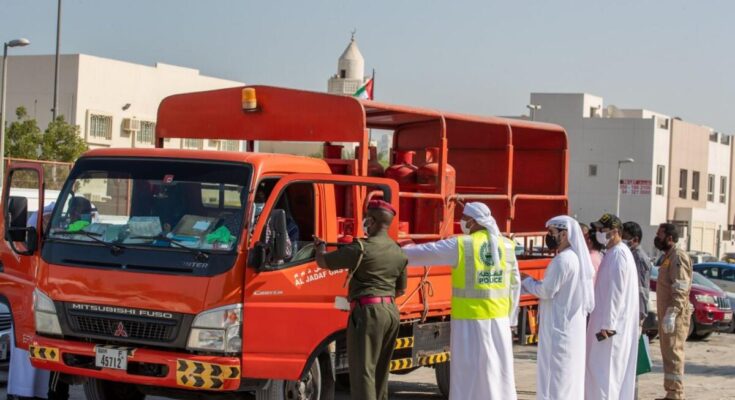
x=145, y=366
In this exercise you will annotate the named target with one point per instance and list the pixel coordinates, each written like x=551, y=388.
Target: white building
x=350, y=71
x=600, y=137
x=115, y=103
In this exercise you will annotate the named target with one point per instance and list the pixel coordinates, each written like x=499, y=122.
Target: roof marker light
x=249, y=99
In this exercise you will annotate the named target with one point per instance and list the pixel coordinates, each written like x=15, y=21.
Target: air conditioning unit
x=131, y=124
x=727, y=235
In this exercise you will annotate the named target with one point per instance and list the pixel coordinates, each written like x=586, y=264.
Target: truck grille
x=5, y=322
x=142, y=330
x=723, y=303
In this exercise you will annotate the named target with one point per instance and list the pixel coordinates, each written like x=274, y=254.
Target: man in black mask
x=672, y=303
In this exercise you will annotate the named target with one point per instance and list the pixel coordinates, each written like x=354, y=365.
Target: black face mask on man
x=660, y=244
x=552, y=243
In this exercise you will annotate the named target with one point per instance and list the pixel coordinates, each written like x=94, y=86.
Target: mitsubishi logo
x=120, y=331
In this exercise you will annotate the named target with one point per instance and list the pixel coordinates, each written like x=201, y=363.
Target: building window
x=660, y=176
x=710, y=187
x=725, y=139
x=683, y=183
x=100, y=126
x=593, y=170
x=147, y=132
x=194, y=144
x=342, y=73
x=230, y=145
x=723, y=189
x=695, y=185
x=713, y=137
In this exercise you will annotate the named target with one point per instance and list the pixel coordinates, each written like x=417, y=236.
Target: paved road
x=710, y=373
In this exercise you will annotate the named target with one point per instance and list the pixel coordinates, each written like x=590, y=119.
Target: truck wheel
x=442, y=378
x=98, y=389
x=312, y=387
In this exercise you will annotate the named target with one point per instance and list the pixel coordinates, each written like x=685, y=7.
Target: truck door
x=289, y=305
x=22, y=203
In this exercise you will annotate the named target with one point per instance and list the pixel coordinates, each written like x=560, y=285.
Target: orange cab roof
x=265, y=162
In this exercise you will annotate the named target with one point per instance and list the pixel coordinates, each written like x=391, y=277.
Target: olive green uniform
x=371, y=329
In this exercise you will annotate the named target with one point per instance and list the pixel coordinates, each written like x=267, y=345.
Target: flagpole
x=373, y=79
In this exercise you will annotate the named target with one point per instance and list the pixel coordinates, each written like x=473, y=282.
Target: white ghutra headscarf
x=579, y=247
x=482, y=215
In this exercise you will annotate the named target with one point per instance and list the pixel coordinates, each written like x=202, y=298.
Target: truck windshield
x=186, y=205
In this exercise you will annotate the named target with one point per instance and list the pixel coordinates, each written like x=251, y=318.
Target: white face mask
x=602, y=238
x=463, y=224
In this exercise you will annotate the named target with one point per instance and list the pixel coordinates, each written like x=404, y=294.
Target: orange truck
x=191, y=273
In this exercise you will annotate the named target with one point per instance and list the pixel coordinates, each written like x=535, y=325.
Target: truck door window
x=22, y=205
x=298, y=201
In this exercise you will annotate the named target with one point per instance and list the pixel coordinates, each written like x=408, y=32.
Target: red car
x=712, y=309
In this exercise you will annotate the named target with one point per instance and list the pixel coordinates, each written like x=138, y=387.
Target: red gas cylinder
x=404, y=172
x=374, y=167
x=429, y=215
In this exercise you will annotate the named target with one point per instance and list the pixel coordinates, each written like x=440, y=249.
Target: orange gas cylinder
x=429, y=215
x=374, y=167
x=404, y=172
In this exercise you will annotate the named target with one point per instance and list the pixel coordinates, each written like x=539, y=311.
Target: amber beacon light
x=249, y=99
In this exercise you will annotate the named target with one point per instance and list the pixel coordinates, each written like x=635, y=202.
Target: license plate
x=727, y=317
x=106, y=357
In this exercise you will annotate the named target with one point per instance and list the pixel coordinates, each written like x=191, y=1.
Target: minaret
x=350, y=71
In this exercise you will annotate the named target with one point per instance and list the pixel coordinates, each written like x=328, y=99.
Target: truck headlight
x=706, y=299
x=217, y=330
x=44, y=312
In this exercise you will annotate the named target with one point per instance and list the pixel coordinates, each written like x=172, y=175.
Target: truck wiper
x=115, y=249
x=199, y=255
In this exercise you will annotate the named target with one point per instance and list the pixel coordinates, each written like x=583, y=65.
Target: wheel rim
x=306, y=389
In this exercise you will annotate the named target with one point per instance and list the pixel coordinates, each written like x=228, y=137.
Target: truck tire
x=98, y=389
x=442, y=378
x=317, y=385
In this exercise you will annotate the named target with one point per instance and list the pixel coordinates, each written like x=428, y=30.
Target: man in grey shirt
x=632, y=237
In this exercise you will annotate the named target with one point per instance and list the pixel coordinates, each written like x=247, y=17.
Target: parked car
x=729, y=258
x=712, y=309
x=722, y=274
x=699, y=257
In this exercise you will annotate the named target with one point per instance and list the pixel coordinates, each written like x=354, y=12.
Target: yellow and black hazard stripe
x=201, y=375
x=434, y=358
x=401, y=364
x=404, y=343
x=44, y=353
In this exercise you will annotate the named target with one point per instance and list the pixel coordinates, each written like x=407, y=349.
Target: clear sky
x=483, y=57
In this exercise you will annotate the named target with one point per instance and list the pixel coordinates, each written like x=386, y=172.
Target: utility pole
x=55, y=109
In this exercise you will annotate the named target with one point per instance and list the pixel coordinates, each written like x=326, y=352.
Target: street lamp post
x=13, y=43
x=620, y=164
x=533, y=108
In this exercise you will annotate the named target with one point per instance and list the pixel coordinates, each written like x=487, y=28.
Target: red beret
x=381, y=205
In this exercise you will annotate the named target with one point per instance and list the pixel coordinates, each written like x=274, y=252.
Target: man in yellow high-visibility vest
x=485, y=293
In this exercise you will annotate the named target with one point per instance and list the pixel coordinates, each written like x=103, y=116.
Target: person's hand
x=669, y=320
x=605, y=333
x=318, y=242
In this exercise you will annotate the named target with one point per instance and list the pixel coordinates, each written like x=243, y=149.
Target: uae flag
x=366, y=90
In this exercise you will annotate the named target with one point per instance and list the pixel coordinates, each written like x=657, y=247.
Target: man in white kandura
x=485, y=293
x=613, y=331
x=567, y=297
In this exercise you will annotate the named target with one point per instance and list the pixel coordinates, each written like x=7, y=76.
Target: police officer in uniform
x=377, y=274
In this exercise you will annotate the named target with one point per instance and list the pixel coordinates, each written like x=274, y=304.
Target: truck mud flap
x=429, y=345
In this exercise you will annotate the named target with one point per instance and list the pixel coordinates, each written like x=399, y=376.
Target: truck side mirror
x=279, y=239
x=16, y=217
